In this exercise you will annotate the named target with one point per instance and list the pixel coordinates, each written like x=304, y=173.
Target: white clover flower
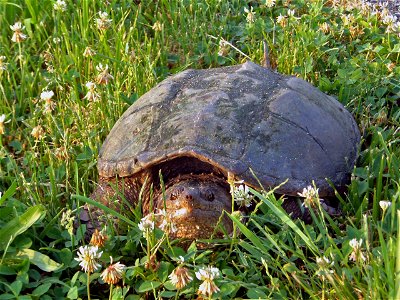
x=357, y=252
x=180, y=259
x=207, y=288
x=389, y=19
x=46, y=95
x=241, y=194
x=223, y=48
x=103, y=15
x=270, y=3
x=113, y=273
x=146, y=224
x=355, y=244
x=89, y=52
x=2, y=122
x=310, y=195
x=250, y=14
x=87, y=257
x=281, y=20
x=324, y=262
x=324, y=265
x=365, y=6
x=98, y=239
x=3, y=64
x=91, y=94
x=56, y=40
x=309, y=192
x=157, y=26
x=18, y=36
x=180, y=277
x=48, y=107
x=37, y=132
x=391, y=22
x=290, y=12
x=385, y=205
x=104, y=77
x=103, y=22
x=164, y=222
x=60, y=6
x=49, y=104
x=208, y=274
x=90, y=85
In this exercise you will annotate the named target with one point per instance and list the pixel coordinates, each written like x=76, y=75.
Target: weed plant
x=69, y=70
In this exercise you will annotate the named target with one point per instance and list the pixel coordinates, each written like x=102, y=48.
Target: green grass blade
x=397, y=274
x=40, y=260
x=7, y=194
x=278, y=249
x=250, y=235
x=20, y=224
x=105, y=208
x=286, y=219
x=378, y=189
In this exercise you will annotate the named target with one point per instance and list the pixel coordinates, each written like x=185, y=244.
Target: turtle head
x=195, y=206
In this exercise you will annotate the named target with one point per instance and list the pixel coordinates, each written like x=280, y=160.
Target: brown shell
x=243, y=119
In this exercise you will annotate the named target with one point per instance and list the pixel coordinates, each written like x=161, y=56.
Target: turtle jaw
x=196, y=207
x=199, y=226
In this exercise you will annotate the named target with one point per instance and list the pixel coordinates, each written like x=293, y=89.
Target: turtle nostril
x=189, y=197
x=176, y=192
x=173, y=196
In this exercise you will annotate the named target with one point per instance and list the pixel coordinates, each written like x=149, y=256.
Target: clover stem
x=87, y=285
x=111, y=291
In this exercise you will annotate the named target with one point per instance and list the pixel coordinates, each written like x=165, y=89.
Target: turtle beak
x=195, y=211
x=180, y=212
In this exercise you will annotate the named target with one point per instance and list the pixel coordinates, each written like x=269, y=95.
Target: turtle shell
x=261, y=126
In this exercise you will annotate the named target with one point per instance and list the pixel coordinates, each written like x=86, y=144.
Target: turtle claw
x=331, y=210
x=90, y=218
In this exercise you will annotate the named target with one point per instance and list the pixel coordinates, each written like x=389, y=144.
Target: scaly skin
x=194, y=204
x=195, y=207
x=110, y=192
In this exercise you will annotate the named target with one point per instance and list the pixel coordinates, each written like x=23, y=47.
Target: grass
x=48, y=148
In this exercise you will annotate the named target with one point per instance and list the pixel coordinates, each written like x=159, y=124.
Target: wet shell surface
x=260, y=126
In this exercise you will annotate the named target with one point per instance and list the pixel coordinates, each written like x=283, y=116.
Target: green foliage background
x=356, y=60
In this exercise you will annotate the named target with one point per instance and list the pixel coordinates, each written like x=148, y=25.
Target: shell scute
x=243, y=119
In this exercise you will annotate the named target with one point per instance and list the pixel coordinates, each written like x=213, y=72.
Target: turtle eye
x=176, y=192
x=210, y=196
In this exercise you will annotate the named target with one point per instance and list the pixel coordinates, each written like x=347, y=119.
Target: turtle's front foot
x=110, y=192
x=91, y=217
x=297, y=210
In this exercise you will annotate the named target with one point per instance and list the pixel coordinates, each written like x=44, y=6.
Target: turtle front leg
x=297, y=210
x=117, y=193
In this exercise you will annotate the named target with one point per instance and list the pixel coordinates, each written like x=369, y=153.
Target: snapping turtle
x=199, y=125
